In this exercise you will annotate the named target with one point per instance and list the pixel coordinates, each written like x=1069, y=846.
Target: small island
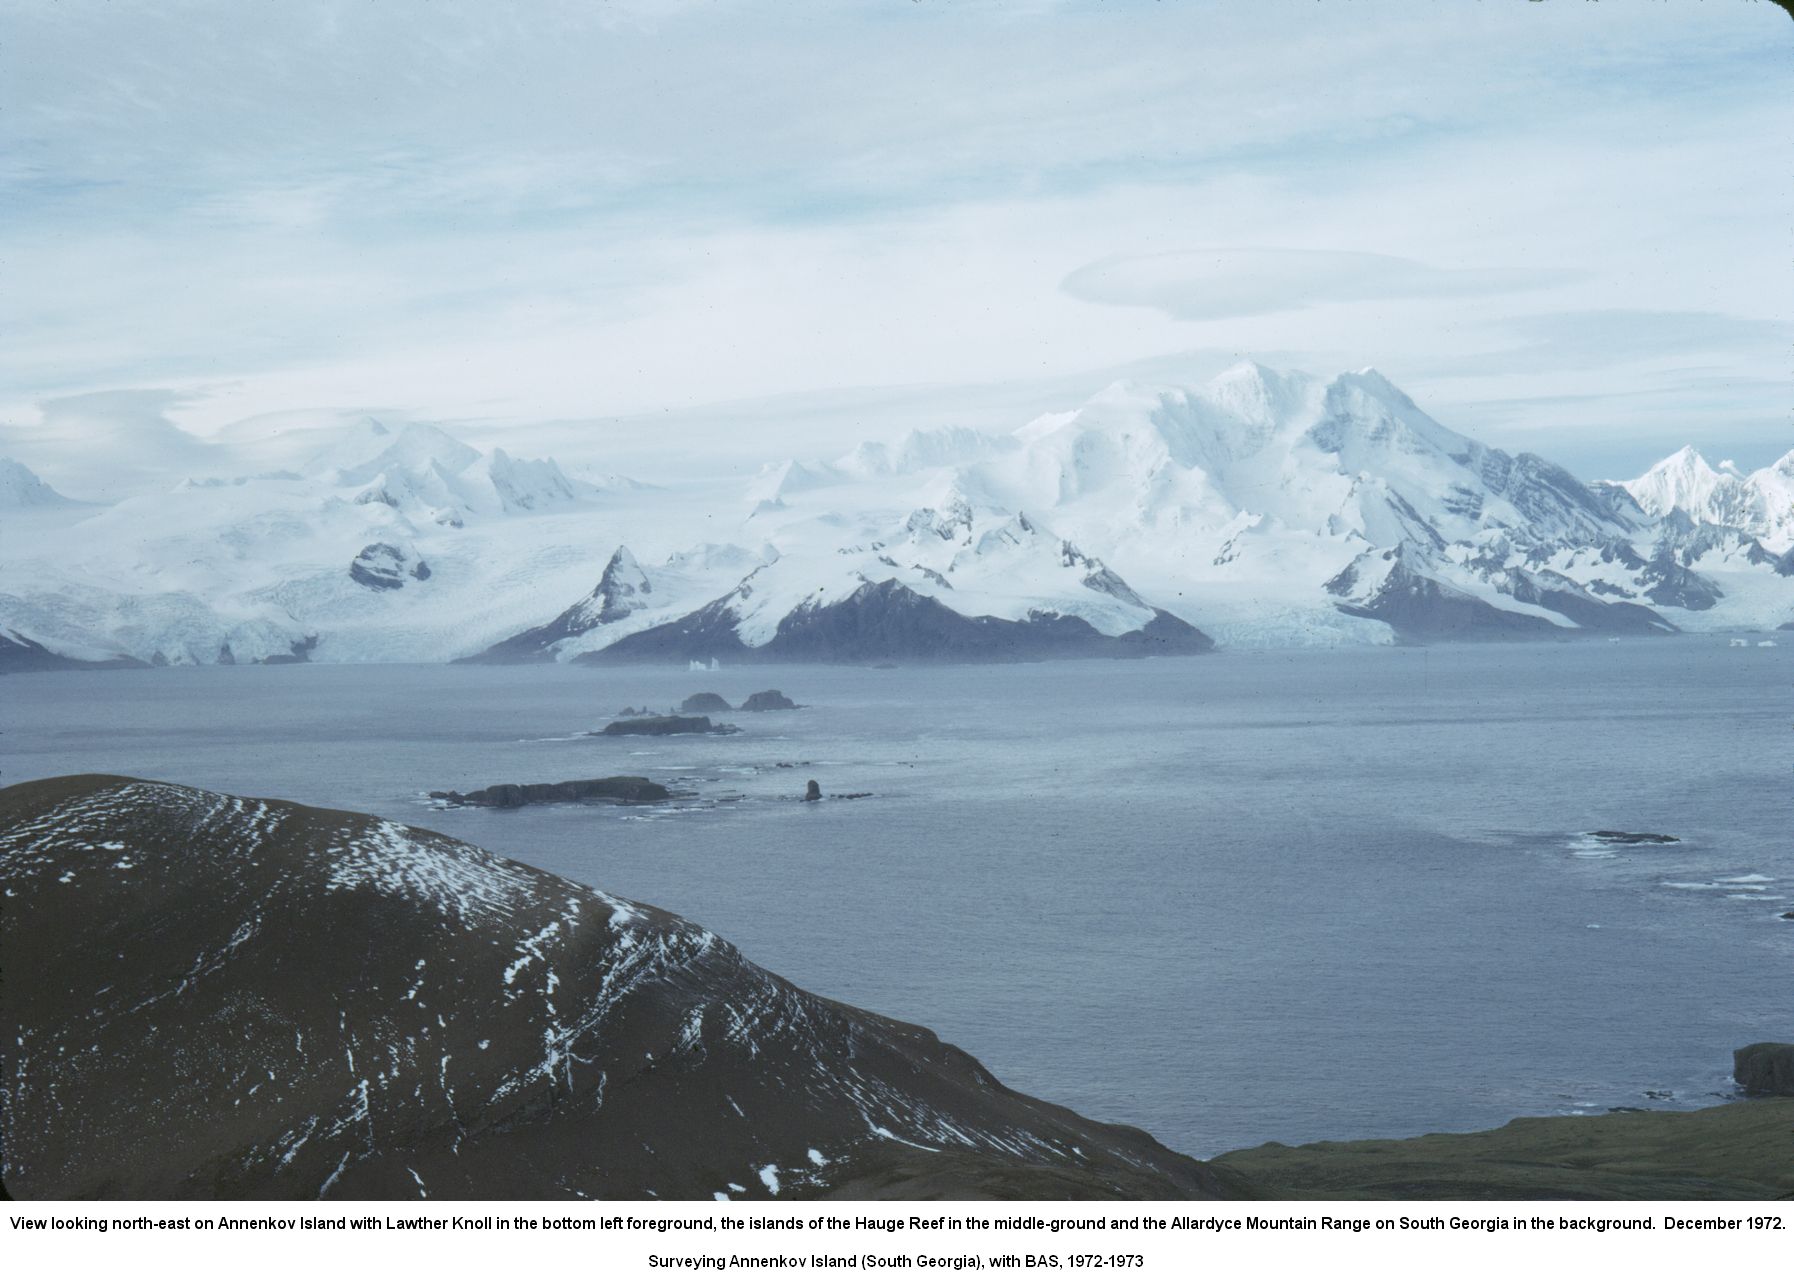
x=760, y=701
x=513, y=795
x=659, y=725
x=768, y=701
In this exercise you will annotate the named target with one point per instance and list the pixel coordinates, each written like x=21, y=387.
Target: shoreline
x=1741, y=1150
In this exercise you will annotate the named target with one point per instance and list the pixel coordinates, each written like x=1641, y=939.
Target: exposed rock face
x=890, y=621
x=511, y=795
x=768, y=701
x=812, y=790
x=622, y=589
x=386, y=567
x=1403, y=588
x=1587, y=612
x=1673, y=584
x=1765, y=1069
x=441, y=1022
x=1421, y=608
x=665, y=725
x=706, y=702
x=298, y=652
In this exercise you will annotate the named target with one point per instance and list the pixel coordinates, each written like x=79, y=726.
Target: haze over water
x=1228, y=899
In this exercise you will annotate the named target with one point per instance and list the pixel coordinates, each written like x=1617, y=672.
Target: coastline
x=323, y=914
x=1739, y=1151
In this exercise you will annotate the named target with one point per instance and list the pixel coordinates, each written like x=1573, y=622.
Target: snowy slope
x=953, y=582
x=1264, y=508
x=284, y=562
x=22, y=491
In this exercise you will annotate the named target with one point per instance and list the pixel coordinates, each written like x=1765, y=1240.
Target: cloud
x=1601, y=338
x=1212, y=283
x=123, y=440
x=571, y=209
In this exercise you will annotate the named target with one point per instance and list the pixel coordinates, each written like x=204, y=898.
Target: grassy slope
x=1743, y=1150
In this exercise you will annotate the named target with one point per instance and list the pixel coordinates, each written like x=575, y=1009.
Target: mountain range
x=1263, y=508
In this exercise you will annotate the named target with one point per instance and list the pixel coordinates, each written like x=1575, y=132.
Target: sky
x=699, y=232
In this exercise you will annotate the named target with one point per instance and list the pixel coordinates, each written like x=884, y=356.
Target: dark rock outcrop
x=622, y=589
x=706, y=702
x=252, y=999
x=1765, y=1069
x=19, y=653
x=1586, y=611
x=812, y=790
x=512, y=795
x=1669, y=583
x=297, y=652
x=385, y=567
x=1634, y=837
x=656, y=725
x=881, y=621
x=1420, y=608
x=768, y=701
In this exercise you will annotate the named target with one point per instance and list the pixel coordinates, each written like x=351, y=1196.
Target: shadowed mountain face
x=214, y=997
x=890, y=621
x=22, y=654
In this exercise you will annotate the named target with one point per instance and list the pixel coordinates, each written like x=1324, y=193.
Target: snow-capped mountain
x=923, y=449
x=953, y=583
x=367, y=543
x=23, y=491
x=1262, y=508
x=1761, y=504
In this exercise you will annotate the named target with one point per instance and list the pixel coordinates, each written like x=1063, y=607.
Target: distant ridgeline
x=1264, y=508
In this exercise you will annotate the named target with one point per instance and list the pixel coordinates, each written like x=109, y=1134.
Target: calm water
x=1229, y=899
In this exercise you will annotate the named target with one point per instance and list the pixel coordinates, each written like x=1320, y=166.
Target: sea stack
x=1765, y=1069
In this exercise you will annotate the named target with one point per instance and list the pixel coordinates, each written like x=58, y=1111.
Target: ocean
x=1229, y=899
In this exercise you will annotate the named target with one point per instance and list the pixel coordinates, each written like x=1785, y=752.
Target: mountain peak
x=1259, y=394
x=527, y=485
x=1373, y=382
x=624, y=587
x=20, y=488
x=1685, y=458
x=1249, y=369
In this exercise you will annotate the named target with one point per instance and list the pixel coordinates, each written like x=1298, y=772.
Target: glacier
x=1264, y=508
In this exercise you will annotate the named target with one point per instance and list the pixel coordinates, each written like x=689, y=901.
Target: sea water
x=1229, y=899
